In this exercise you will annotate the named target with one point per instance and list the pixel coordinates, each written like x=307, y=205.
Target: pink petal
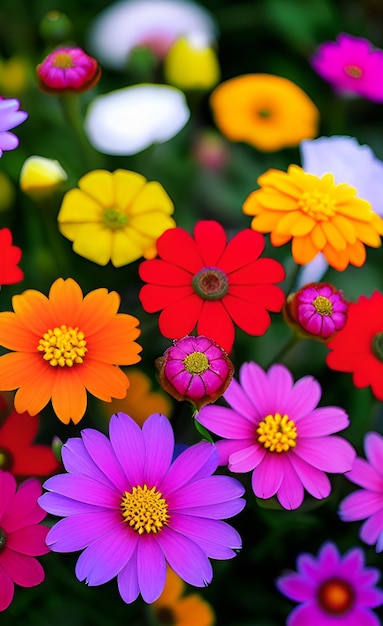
x=24, y=510
x=247, y=458
x=240, y=397
x=291, y=493
x=322, y=421
x=373, y=446
x=365, y=475
x=7, y=589
x=23, y=570
x=297, y=587
x=226, y=422
x=29, y=540
x=372, y=528
x=151, y=568
x=329, y=454
x=359, y=505
x=314, y=481
x=304, y=397
x=102, y=456
x=7, y=491
x=267, y=476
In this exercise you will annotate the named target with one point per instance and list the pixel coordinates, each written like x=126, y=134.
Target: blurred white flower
x=127, y=24
x=128, y=120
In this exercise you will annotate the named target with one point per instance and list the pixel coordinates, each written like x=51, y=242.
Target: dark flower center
x=3, y=539
x=165, y=616
x=6, y=460
x=377, y=346
x=353, y=70
x=336, y=596
x=210, y=283
x=264, y=113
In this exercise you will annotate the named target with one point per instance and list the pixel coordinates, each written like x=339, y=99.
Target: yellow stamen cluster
x=196, y=363
x=63, y=60
x=63, y=346
x=144, y=509
x=277, y=433
x=318, y=205
x=353, y=71
x=323, y=305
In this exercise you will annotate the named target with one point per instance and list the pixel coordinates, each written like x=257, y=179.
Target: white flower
x=128, y=120
x=124, y=25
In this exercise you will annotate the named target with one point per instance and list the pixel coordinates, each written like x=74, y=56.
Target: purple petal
x=205, y=492
x=216, y=538
x=372, y=528
x=127, y=581
x=323, y=421
x=101, y=452
x=309, y=614
x=196, y=462
x=267, y=476
x=226, y=422
x=151, y=568
x=106, y=556
x=186, y=558
x=359, y=505
x=373, y=446
x=84, y=489
x=296, y=587
x=313, y=480
x=8, y=141
x=129, y=446
x=365, y=475
x=159, y=442
x=329, y=454
x=62, y=506
x=218, y=511
x=227, y=448
x=77, y=460
x=329, y=559
x=79, y=531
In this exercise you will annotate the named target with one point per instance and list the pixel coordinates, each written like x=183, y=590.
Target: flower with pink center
x=195, y=369
x=317, y=310
x=21, y=536
x=367, y=503
x=68, y=69
x=352, y=65
x=333, y=590
x=10, y=117
x=275, y=429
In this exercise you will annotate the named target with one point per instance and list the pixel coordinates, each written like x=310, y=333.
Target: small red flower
x=210, y=283
x=358, y=347
x=18, y=454
x=66, y=70
x=9, y=257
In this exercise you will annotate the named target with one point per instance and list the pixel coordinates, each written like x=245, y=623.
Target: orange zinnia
x=63, y=346
x=316, y=214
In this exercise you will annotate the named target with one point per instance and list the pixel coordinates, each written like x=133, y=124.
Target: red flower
x=210, y=283
x=18, y=455
x=9, y=257
x=358, y=347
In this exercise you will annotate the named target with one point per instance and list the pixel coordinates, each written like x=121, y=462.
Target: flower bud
x=68, y=70
x=41, y=176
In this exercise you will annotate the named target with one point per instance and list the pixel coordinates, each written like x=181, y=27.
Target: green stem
x=70, y=105
x=284, y=350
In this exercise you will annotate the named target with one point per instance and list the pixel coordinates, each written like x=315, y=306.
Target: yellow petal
x=152, y=196
x=93, y=242
x=126, y=247
x=78, y=207
x=99, y=185
x=127, y=186
x=40, y=173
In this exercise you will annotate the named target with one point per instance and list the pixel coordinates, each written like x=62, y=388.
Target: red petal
x=9, y=257
x=163, y=273
x=268, y=297
x=258, y=272
x=178, y=247
x=156, y=297
x=179, y=319
x=215, y=323
x=210, y=238
x=244, y=248
x=251, y=318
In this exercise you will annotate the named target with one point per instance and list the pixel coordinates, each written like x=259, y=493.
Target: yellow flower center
x=353, y=70
x=196, y=363
x=63, y=346
x=264, y=113
x=336, y=596
x=63, y=60
x=277, y=433
x=144, y=509
x=323, y=305
x=317, y=205
x=114, y=219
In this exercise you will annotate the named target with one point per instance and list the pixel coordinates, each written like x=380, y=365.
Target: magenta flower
x=333, y=590
x=134, y=510
x=68, y=69
x=317, y=309
x=195, y=369
x=367, y=503
x=21, y=538
x=10, y=117
x=274, y=428
x=352, y=66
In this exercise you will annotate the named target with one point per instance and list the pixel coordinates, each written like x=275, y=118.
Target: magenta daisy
x=133, y=510
x=67, y=70
x=274, y=428
x=21, y=536
x=352, y=65
x=10, y=117
x=333, y=590
x=367, y=503
x=195, y=369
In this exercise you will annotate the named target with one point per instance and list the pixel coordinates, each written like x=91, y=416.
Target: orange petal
x=69, y=398
x=115, y=342
x=34, y=311
x=14, y=335
x=103, y=380
x=303, y=250
x=338, y=259
x=66, y=299
x=98, y=309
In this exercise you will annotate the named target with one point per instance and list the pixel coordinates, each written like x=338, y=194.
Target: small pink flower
x=352, y=66
x=68, y=69
x=317, y=309
x=21, y=536
x=195, y=369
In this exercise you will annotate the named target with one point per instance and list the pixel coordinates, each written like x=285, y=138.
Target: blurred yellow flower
x=14, y=76
x=140, y=401
x=269, y=112
x=39, y=174
x=316, y=214
x=191, y=64
x=7, y=192
x=172, y=607
x=115, y=216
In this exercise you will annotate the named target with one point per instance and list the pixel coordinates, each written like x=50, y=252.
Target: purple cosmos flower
x=319, y=309
x=132, y=510
x=333, y=590
x=68, y=69
x=367, y=503
x=10, y=117
x=274, y=428
x=352, y=66
x=195, y=369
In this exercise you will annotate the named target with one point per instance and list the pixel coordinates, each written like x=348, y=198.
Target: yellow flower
x=174, y=608
x=191, y=64
x=316, y=214
x=115, y=216
x=14, y=76
x=140, y=401
x=269, y=112
x=40, y=175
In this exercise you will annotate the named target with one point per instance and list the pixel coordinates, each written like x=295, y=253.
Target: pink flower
x=367, y=503
x=10, y=117
x=68, y=69
x=195, y=369
x=21, y=538
x=333, y=590
x=351, y=65
x=274, y=428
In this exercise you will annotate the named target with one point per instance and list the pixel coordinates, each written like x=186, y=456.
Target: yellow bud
x=191, y=64
x=41, y=175
x=7, y=192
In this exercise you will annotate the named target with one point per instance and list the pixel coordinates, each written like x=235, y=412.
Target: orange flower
x=140, y=401
x=269, y=112
x=174, y=608
x=65, y=345
x=316, y=214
